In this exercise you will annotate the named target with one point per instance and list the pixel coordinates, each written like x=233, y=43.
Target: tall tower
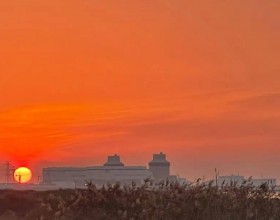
x=9, y=172
x=159, y=166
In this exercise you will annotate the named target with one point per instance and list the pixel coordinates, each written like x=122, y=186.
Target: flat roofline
x=232, y=176
x=96, y=168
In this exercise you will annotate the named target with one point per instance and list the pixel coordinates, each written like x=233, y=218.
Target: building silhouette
x=112, y=171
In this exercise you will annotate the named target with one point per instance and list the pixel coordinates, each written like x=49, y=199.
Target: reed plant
x=152, y=201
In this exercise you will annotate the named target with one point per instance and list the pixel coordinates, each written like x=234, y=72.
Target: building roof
x=95, y=168
x=114, y=160
x=159, y=159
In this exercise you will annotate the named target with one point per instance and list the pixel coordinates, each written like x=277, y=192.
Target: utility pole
x=39, y=178
x=8, y=172
x=13, y=169
x=19, y=177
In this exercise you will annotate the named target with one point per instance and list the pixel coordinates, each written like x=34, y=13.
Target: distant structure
x=239, y=180
x=114, y=161
x=232, y=179
x=111, y=172
x=271, y=182
x=159, y=166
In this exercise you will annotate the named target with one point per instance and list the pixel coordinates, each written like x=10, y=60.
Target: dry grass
x=162, y=201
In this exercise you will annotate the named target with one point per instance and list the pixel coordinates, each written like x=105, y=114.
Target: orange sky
x=198, y=80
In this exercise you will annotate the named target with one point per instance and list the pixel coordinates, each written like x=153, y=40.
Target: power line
x=9, y=170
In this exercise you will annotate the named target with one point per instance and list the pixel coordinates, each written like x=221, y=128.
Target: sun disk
x=22, y=175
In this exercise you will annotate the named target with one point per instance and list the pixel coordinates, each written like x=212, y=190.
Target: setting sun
x=22, y=175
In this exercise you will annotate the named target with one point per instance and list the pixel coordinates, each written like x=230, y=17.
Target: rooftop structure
x=159, y=166
x=114, y=161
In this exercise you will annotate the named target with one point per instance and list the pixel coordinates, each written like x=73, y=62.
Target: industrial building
x=111, y=172
x=239, y=180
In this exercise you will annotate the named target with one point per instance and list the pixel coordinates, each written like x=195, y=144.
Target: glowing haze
x=198, y=80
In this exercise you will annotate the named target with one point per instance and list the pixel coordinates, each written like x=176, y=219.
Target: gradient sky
x=198, y=80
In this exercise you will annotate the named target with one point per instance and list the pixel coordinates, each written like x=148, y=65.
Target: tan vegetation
x=161, y=201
